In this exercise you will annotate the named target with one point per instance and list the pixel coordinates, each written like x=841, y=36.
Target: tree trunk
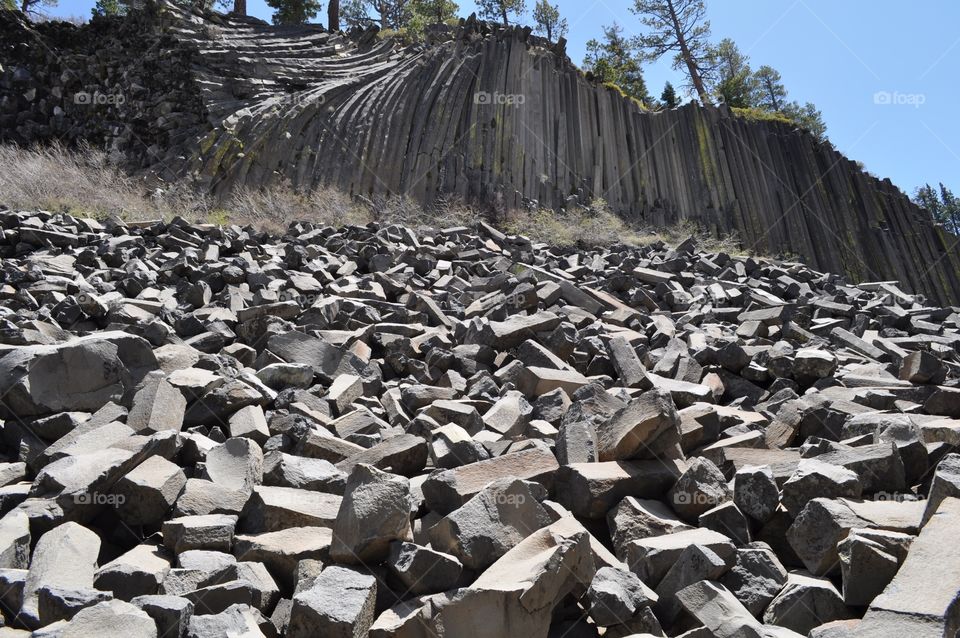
x=240, y=7
x=333, y=15
x=688, y=57
x=506, y=21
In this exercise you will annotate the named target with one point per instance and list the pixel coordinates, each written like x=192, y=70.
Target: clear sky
x=883, y=72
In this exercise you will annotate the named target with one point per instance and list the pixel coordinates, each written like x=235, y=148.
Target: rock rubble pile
x=210, y=431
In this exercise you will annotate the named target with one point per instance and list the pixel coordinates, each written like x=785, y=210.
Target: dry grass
x=84, y=183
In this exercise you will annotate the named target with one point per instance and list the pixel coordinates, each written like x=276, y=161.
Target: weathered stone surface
x=375, y=512
x=651, y=558
x=867, y=567
x=694, y=564
x=701, y=487
x=138, y=572
x=157, y=406
x=270, y=509
x=65, y=557
x=945, y=484
x=756, y=493
x=616, y=596
x=591, y=489
x=921, y=599
x=445, y=491
x=14, y=541
x=825, y=522
x=756, y=577
x=149, y=491
x=236, y=464
x=631, y=431
x=338, y=603
x=211, y=531
x=805, y=603
x=634, y=518
x=717, y=609
x=111, y=618
x=491, y=523
x=817, y=479
x=423, y=570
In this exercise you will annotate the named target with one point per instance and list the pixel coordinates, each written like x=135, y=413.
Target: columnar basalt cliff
x=490, y=114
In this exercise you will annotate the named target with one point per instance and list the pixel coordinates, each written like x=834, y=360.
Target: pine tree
x=388, y=14
x=109, y=8
x=501, y=10
x=807, y=117
x=292, y=12
x=548, y=20
x=942, y=205
x=769, y=92
x=615, y=60
x=433, y=11
x=678, y=27
x=33, y=7
x=733, y=82
x=669, y=97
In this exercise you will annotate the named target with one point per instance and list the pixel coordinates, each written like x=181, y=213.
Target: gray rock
x=634, y=518
x=423, y=570
x=616, y=596
x=64, y=558
x=755, y=578
x=149, y=491
x=755, y=492
x=701, y=487
x=719, y=611
x=236, y=464
x=110, y=618
x=375, y=512
x=804, y=603
x=632, y=430
x=171, y=614
x=339, y=603
x=817, y=479
x=491, y=523
x=210, y=531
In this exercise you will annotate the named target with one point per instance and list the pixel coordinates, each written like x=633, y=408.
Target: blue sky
x=838, y=54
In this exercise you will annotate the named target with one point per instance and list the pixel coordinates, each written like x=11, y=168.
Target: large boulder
x=375, y=512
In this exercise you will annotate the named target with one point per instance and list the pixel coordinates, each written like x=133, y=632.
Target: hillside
x=492, y=115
